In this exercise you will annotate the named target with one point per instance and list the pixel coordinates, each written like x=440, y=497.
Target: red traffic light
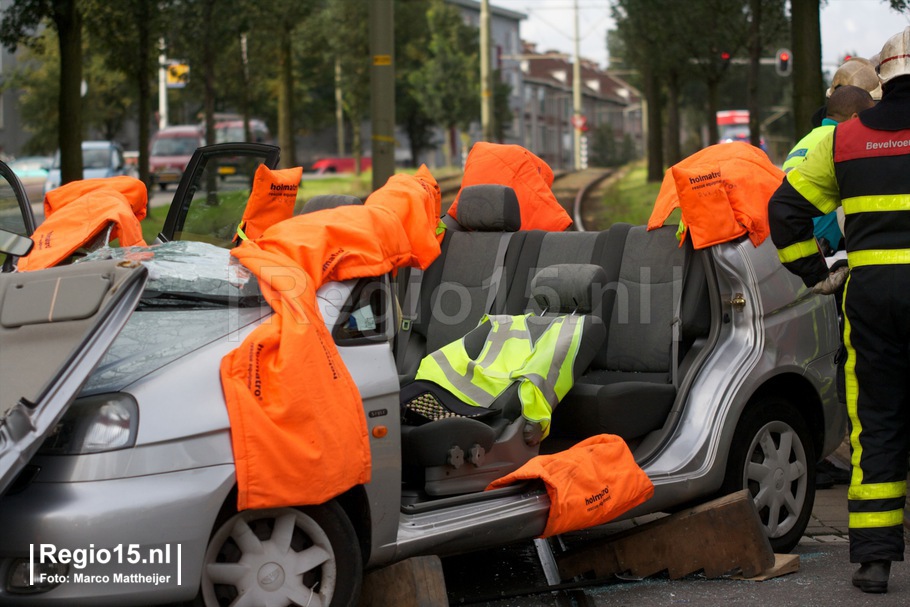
x=783, y=64
x=725, y=56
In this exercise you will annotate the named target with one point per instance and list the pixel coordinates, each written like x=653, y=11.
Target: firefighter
x=864, y=165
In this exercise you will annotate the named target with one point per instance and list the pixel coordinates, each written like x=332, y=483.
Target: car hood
x=55, y=326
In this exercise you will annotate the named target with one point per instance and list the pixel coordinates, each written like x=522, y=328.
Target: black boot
x=872, y=576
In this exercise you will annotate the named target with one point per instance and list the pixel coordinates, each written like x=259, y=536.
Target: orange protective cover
x=589, y=484
x=271, y=200
x=297, y=423
x=528, y=175
x=749, y=179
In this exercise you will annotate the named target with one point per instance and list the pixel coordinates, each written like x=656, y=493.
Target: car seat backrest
x=567, y=288
x=640, y=331
x=476, y=269
x=329, y=201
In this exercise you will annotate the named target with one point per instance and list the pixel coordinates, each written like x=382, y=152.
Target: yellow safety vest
x=543, y=368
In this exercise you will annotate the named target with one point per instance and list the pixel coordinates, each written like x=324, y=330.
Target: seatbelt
x=408, y=283
x=499, y=271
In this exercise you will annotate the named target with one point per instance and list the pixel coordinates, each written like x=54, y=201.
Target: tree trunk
x=447, y=146
x=68, y=21
x=285, y=101
x=755, y=47
x=711, y=112
x=144, y=86
x=655, y=128
x=356, y=145
x=674, y=152
x=808, y=85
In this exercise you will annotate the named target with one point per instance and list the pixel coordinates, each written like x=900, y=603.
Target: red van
x=172, y=148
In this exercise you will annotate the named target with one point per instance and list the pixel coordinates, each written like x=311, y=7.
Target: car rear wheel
x=772, y=456
x=283, y=557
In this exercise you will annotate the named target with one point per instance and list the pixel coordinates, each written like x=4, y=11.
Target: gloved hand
x=833, y=282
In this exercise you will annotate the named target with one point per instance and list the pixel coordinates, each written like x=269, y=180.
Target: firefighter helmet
x=895, y=56
x=858, y=72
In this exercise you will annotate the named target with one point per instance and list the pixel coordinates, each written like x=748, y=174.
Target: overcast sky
x=857, y=27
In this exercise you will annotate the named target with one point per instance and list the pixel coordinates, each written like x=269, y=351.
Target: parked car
x=171, y=150
x=339, y=164
x=32, y=171
x=718, y=371
x=99, y=159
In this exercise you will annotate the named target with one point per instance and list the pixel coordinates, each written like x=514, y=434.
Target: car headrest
x=329, y=201
x=568, y=287
x=489, y=208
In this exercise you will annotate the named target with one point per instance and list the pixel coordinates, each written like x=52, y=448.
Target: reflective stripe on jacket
x=870, y=167
x=510, y=354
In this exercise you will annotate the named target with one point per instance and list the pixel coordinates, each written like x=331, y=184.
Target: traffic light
x=784, y=62
x=724, y=59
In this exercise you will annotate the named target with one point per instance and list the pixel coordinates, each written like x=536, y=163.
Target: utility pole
x=576, y=93
x=162, y=84
x=382, y=90
x=486, y=76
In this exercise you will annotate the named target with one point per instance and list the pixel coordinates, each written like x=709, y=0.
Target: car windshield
x=175, y=146
x=189, y=274
x=96, y=158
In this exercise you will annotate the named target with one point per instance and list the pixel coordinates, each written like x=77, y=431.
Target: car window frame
x=186, y=189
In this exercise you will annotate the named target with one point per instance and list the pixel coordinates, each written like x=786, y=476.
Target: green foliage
x=447, y=84
x=609, y=149
x=629, y=199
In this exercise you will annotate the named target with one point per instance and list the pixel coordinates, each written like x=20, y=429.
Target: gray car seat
x=631, y=384
x=329, y=201
x=449, y=447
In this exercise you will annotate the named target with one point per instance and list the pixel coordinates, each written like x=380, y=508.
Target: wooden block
x=717, y=537
x=783, y=564
x=415, y=582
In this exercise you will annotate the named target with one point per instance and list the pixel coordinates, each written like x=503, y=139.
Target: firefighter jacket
x=298, y=429
x=722, y=192
x=825, y=227
x=862, y=166
x=78, y=213
x=528, y=175
x=589, y=484
x=542, y=366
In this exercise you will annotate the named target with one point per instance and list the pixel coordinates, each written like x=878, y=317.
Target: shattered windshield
x=186, y=273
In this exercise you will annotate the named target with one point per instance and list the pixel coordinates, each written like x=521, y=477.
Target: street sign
x=579, y=121
x=177, y=75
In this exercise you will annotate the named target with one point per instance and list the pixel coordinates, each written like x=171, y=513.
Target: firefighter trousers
x=877, y=336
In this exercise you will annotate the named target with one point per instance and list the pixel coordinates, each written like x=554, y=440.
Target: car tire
x=772, y=455
x=254, y=553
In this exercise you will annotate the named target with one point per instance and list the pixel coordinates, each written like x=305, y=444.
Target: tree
x=808, y=85
x=349, y=45
x=125, y=34
x=447, y=84
x=21, y=21
x=411, y=41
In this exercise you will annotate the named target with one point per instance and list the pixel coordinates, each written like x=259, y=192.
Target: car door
x=209, y=202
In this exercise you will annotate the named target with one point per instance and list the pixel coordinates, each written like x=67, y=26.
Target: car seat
x=449, y=447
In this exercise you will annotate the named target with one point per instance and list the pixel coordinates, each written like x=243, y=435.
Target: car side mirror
x=15, y=244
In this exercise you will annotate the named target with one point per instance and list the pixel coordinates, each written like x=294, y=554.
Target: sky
x=856, y=27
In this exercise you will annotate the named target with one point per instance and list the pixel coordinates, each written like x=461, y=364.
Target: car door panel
x=60, y=323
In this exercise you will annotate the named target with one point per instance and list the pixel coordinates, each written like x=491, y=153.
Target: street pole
x=162, y=85
x=486, y=80
x=382, y=90
x=576, y=92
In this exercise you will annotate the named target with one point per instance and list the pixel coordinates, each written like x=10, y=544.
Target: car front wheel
x=283, y=557
x=773, y=457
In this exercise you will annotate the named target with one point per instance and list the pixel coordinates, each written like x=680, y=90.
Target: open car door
x=55, y=325
x=213, y=192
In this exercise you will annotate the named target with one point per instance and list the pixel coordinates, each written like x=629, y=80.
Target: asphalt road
x=823, y=578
